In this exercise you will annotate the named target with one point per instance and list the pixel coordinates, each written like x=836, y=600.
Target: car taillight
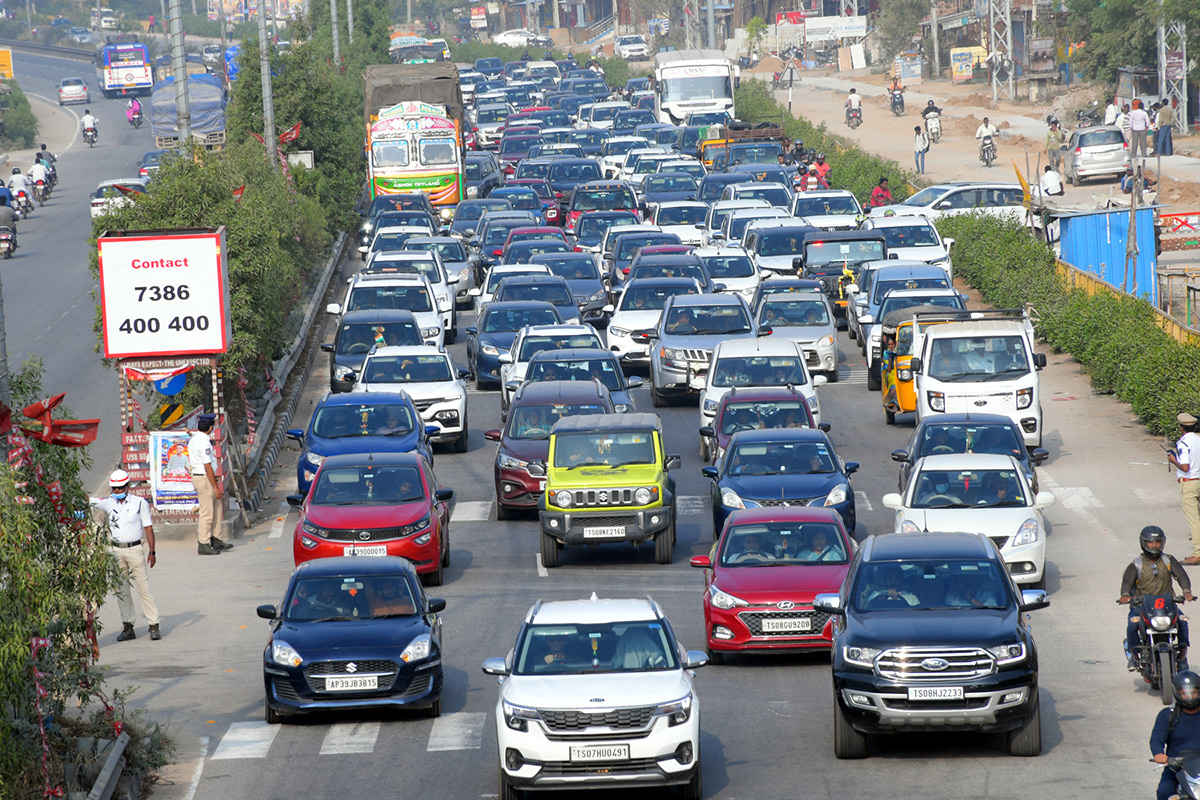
x=497, y=252
x=626, y=270
x=1078, y=150
x=1124, y=145
x=578, y=249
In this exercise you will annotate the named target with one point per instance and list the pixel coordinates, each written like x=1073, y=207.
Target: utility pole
x=1000, y=48
x=933, y=26
x=712, y=25
x=1172, y=68
x=5, y=387
x=408, y=12
x=350, y=20
x=337, y=59
x=29, y=16
x=264, y=62
x=183, y=109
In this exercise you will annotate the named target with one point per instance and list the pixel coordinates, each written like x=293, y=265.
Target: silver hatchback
x=1098, y=150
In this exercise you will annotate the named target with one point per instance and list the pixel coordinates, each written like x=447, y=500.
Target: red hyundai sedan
x=762, y=576
x=385, y=504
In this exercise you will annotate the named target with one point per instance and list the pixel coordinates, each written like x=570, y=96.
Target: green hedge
x=1115, y=337
x=20, y=125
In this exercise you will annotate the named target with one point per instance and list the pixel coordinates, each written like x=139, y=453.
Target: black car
x=933, y=636
x=481, y=174
x=469, y=212
x=969, y=433
x=358, y=332
x=408, y=201
x=353, y=633
x=827, y=256
x=567, y=173
x=590, y=139
x=713, y=186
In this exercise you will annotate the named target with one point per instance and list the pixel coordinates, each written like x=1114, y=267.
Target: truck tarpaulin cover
x=389, y=84
x=205, y=98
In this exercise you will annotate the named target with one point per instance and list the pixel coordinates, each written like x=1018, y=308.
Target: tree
x=897, y=23
x=756, y=29
x=1115, y=33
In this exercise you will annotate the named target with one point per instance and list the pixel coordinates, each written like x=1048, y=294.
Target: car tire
x=460, y=444
x=694, y=788
x=832, y=376
x=674, y=533
x=889, y=417
x=272, y=716
x=1073, y=179
x=507, y=790
x=705, y=456
x=850, y=331
x=656, y=397
x=502, y=512
x=715, y=657
x=1026, y=741
x=873, y=378
x=446, y=548
x=435, y=710
x=664, y=548
x=549, y=551
x=434, y=578
x=450, y=334
x=847, y=742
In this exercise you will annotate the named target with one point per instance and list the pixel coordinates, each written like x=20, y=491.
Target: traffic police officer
x=208, y=490
x=132, y=542
x=1186, y=460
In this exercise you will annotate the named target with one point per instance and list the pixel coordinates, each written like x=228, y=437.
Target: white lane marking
x=460, y=731
x=350, y=737
x=280, y=521
x=1154, y=496
x=542, y=572
x=195, y=782
x=691, y=504
x=246, y=740
x=862, y=498
x=1077, y=499
x=472, y=511
x=75, y=135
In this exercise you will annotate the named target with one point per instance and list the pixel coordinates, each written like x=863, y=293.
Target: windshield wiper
x=391, y=616
x=336, y=619
x=947, y=505
x=1002, y=504
x=1009, y=371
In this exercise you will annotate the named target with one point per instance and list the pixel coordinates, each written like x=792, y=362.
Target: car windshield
x=825, y=206
x=535, y=344
x=899, y=303
x=525, y=252
x=575, y=171
x=341, y=422
x=1101, y=139
x=412, y=298
x=780, y=458
x=650, y=298
x=706, y=320
x=350, y=596
x=854, y=252
x=419, y=266
x=775, y=544
x=588, y=138
x=578, y=369
x=678, y=215
x=999, y=439
x=605, y=113
x=532, y=169
x=474, y=170
x=475, y=210
x=540, y=187
x=753, y=415
x=780, y=244
x=756, y=153
x=682, y=270
x=974, y=358
x=967, y=488
x=407, y=369
x=637, y=646
x=713, y=188
x=880, y=289
x=523, y=199
x=487, y=116
x=594, y=226
x=925, y=196
x=667, y=183
x=355, y=338
x=395, y=241
x=758, y=371
x=519, y=145
x=574, y=269
x=535, y=236
x=450, y=250
x=555, y=295
x=503, y=320
x=910, y=236
x=367, y=486
x=602, y=200
x=621, y=147
x=600, y=448
x=535, y=422
x=629, y=245
x=798, y=312
x=940, y=584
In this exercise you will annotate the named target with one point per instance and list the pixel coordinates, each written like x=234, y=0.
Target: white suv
x=632, y=48
x=740, y=363
x=597, y=694
x=438, y=387
x=394, y=290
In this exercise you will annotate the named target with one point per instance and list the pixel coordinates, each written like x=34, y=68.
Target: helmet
x=820, y=156
x=1149, y=534
x=1187, y=682
x=16, y=170
x=119, y=479
x=929, y=103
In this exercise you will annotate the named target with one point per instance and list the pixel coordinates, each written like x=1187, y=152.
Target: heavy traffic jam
x=583, y=243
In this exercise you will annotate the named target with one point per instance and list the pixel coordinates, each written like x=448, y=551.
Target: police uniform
x=127, y=523
x=1187, y=451
x=200, y=455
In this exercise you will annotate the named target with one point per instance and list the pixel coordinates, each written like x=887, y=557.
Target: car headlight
x=642, y=496
x=419, y=648
x=563, y=498
x=937, y=401
x=1024, y=398
x=416, y=527
x=315, y=530
x=307, y=543
x=621, y=332
x=621, y=408
x=472, y=191
x=1160, y=622
x=517, y=717
x=508, y=462
x=722, y=600
x=1027, y=533
x=813, y=406
x=597, y=297
x=825, y=341
x=424, y=538
x=673, y=354
x=340, y=371
x=679, y=711
x=861, y=656
x=315, y=459
x=1008, y=653
x=904, y=374
x=730, y=498
x=908, y=526
x=710, y=406
x=446, y=213
x=838, y=495
x=429, y=333
x=283, y=653
x=489, y=349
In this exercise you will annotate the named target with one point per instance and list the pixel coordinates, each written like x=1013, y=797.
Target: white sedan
x=978, y=493
x=517, y=37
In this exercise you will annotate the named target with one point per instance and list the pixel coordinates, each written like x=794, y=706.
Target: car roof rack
x=988, y=314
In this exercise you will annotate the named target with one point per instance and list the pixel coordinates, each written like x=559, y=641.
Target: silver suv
x=1098, y=150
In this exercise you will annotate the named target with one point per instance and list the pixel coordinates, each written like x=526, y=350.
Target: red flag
x=256, y=136
x=237, y=193
x=291, y=134
x=125, y=190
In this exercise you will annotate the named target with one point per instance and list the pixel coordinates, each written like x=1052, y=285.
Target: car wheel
x=674, y=538
x=433, y=578
x=693, y=789
x=850, y=331
x=832, y=375
x=655, y=397
x=889, y=416
x=873, y=378
x=502, y=511
x=460, y=444
x=549, y=551
x=446, y=547
x=272, y=716
x=715, y=657
x=1073, y=179
x=507, y=790
x=1026, y=741
x=705, y=456
x=847, y=742
x=435, y=710
x=664, y=548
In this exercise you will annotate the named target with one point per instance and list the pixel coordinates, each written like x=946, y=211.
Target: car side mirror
x=948, y=243
x=900, y=455
x=694, y=659
x=701, y=562
x=852, y=288
x=296, y=433
x=798, y=263
x=915, y=365
x=472, y=330
x=866, y=319
x=444, y=495
x=709, y=472
x=644, y=337
x=1033, y=599
x=505, y=358
x=495, y=666
x=436, y=604
x=351, y=376
x=819, y=380
x=824, y=426
x=333, y=308
x=493, y=435
x=1039, y=360
x=634, y=382
x=537, y=468
x=1039, y=455
x=942, y=206
x=673, y=462
x=327, y=347
x=765, y=330
x=463, y=373
x=474, y=292
x=851, y=467
x=432, y=430
x=830, y=603
x=892, y=500
x=708, y=431
x=453, y=279
x=267, y=612
x=1044, y=499
x=512, y=386
x=295, y=500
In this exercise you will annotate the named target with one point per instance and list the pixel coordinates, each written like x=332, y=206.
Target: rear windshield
x=603, y=200
x=1101, y=138
x=513, y=319
x=359, y=337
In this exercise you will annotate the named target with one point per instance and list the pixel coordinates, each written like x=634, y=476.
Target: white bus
x=689, y=81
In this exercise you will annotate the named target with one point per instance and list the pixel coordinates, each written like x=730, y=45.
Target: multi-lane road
x=767, y=721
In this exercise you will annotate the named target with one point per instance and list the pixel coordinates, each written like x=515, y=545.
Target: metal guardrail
x=75, y=53
x=1078, y=279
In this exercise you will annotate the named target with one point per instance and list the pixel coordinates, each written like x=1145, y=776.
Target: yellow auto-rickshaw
x=896, y=378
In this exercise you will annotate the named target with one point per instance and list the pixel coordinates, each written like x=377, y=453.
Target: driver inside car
x=934, y=485
x=753, y=546
x=891, y=592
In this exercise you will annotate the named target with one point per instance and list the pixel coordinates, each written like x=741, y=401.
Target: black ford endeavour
x=930, y=636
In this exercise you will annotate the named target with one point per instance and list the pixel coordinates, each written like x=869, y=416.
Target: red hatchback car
x=762, y=575
x=754, y=408
x=385, y=504
x=538, y=233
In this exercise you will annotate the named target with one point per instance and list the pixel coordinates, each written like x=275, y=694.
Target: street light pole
x=337, y=60
x=183, y=109
x=350, y=20
x=264, y=62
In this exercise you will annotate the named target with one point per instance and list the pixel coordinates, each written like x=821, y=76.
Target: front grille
x=284, y=690
x=424, y=405
x=604, y=497
x=811, y=358
x=633, y=766
x=991, y=403
x=792, y=502
x=385, y=670
x=904, y=704
x=909, y=663
x=604, y=521
x=753, y=621
x=377, y=535
x=578, y=720
x=697, y=355
x=419, y=685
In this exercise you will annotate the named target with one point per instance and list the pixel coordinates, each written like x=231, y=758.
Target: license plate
x=935, y=693
x=786, y=625
x=605, y=532
x=606, y=752
x=541, y=486
x=355, y=684
x=365, y=550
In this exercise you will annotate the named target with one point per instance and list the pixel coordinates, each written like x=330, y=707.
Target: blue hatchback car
x=359, y=422
x=493, y=333
x=781, y=467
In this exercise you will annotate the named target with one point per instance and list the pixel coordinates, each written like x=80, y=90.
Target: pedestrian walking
x=1111, y=112
x=208, y=490
x=131, y=540
x=1139, y=126
x=1164, y=144
x=920, y=148
x=1122, y=122
x=1186, y=460
x=1055, y=138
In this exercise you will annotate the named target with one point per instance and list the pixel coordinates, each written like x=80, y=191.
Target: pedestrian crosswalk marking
x=691, y=504
x=459, y=731
x=472, y=511
x=861, y=496
x=246, y=740
x=350, y=737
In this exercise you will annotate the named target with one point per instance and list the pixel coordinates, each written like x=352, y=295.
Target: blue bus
x=124, y=68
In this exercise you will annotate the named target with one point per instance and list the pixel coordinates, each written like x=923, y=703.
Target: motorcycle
x=854, y=118
x=1157, y=658
x=898, y=102
x=987, y=150
x=89, y=136
x=1092, y=115
x=41, y=192
x=135, y=119
x=8, y=241
x=933, y=127
x=24, y=204
x=1187, y=774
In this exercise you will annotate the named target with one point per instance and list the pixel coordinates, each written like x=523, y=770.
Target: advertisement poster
x=170, y=472
x=961, y=65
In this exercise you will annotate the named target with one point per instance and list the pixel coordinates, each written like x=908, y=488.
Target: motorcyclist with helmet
x=1151, y=573
x=1177, y=729
x=19, y=183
